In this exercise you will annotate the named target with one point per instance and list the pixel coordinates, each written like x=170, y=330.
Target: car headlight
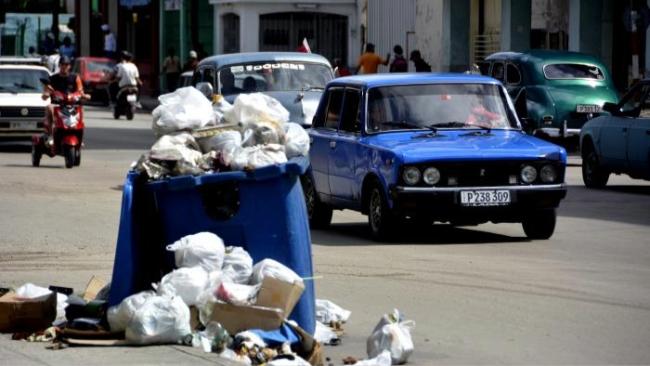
x=411, y=175
x=528, y=174
x=548, y=174
x=431, y=176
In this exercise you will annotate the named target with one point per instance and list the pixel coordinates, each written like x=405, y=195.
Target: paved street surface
x=479, y=295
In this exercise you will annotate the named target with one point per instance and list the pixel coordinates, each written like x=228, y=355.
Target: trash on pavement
x=393, y=334
x=27, y=314
x=382, y=359
x=326, y=335
x=328, y=312
x=120, y=315
x=237, y=265
x=161, y=319
x=188, y=283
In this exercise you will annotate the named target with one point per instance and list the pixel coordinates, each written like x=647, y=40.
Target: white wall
x=430, y=33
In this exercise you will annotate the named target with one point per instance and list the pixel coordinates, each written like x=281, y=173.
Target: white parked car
x=21, y=107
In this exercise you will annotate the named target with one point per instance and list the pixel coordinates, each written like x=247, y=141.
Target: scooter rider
x=65, y=82
x=127, y=74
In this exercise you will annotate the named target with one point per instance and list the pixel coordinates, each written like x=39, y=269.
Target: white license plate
x=588, y=108
x=485, y=198
x=24, y=125
x=131, y=98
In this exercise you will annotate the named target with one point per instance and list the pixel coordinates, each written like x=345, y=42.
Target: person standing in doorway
x=369, y=61
x=192, y=62
x=399, y=63
x=110, y=44
x=420, y=64
x=172, y=69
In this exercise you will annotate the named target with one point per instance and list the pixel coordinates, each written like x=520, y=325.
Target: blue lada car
x=429, y=147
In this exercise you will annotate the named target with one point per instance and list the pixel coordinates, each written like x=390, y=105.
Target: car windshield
x=437, y=106
x=21, y=80
x=98, y=66
x=573, y=71
x=281, y=76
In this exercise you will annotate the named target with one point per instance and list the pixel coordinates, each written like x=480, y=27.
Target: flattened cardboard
x=277, y=294
x=26, y=315
x=92, y=289
x=239, y=318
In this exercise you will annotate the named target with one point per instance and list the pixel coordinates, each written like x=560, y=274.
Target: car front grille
x=17, y=112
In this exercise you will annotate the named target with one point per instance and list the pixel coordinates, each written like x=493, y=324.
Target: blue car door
x=344, y=147
x=638, y=142
x=323, y=135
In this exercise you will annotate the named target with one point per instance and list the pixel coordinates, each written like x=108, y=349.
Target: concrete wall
x=429, y=32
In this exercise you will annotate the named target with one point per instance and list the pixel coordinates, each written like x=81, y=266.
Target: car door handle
x=332, y=144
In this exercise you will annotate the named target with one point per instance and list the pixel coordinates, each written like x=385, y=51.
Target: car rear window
x=573, y=71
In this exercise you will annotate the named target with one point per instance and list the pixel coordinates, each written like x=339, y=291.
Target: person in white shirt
x=110, y=45
x=127, y=75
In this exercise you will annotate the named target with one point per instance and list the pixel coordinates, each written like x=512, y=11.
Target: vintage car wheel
x=37, y=154
x=69, y=156
x=593, y=175
x=380, y=219
x=540, y=224
x=320, y=215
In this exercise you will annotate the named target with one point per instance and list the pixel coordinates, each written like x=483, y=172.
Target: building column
x=84, y=27
x=249, y=30
x=458, y=30
x=429, y=36
x=515, y=25
x=217, y=35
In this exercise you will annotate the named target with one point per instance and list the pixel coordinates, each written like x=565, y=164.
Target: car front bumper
x=443, y=203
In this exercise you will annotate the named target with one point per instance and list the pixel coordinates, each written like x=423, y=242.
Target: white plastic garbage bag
x=236, y=294
x=188, y=283
x=297, y=140
x=161, y=319
x=203, y=249
x=256, y=107
x=225, y=144
x=31, y=291
x=294, y=361
x=325, y=334
x=237, y=265
x=181, y=148
x=327, y=312
x=272, y=268
x=120, y=315
x=184, y=109
x=263, y=133
x=383, y=359
x=259, y=156
x=234, y=356
x=393, y=334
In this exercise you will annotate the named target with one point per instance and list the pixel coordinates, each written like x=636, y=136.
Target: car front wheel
x=381, y=220
x=320, y=214
x=593, y=174
x=540, y=224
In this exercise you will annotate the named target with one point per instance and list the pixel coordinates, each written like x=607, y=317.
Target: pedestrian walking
x=399, y=63
x=172, y=69
x=340, y=69
x=67, y=49
x=420, y=64
x=369, y=60
x=110, y=44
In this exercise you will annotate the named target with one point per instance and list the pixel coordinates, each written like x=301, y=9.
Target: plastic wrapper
x=236, y=294
x=274, y=269
x=327, y=312
x=393, y=334
x=296, y=140
x=382, y=359
x=256, y=107
x=184, y=109
x=225, y=144
x=254, y=157
x=187, y=283
x=120, y=315
x=160, y=320
x=237, y=265
x=263, y=133
x=203, y=249
x=325, y=334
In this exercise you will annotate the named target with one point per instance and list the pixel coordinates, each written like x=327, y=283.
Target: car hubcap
x=375, y=210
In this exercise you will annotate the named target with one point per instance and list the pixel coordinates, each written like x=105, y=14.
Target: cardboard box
x=26, y=315
x=275, y=301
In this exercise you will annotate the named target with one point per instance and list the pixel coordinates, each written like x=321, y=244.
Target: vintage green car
x=554, y=92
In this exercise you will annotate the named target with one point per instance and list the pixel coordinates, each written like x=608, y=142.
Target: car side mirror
x=611, y=108
x=206, y=89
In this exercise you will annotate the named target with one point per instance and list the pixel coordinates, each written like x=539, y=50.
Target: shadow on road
x=30, y=166
x=19, y=147
x=439, y=234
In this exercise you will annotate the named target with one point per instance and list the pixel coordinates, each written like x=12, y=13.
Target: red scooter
x=67, y=131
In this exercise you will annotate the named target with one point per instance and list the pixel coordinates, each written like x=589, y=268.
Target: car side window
x=350, y=120
x=333, y=111
x=632, y=104
x=513, y=76
x=498, y=71
x=484, y=67
x=645, y=107
x=196, y=78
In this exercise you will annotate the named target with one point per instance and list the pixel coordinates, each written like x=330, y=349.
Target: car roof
x=376, y=80
x=23, y=67
x=19, y=60
x=237, y=58
x=545, y=56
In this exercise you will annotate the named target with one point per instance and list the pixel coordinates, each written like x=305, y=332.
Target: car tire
x=540, y=224
x=69, y=156
x=593, y=174
x=37, y=154
x=319, y=214
x=381, y=221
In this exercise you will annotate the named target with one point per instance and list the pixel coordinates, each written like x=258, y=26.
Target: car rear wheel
x=320, y=214
x=381, y=220
x=593, y=174
x=69, y=156
x=37, y=154
x=540, y=224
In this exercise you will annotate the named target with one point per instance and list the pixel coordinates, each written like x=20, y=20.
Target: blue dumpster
x=261, y=210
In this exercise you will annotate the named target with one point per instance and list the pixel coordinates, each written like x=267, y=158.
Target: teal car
x=555, y=92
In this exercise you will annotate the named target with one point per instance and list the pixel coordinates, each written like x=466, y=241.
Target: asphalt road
x=478, y=295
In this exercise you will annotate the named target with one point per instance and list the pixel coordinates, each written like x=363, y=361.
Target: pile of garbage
x=196, y=136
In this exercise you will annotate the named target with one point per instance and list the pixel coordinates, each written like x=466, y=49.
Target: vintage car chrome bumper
x=540, y=187
x=559, y=132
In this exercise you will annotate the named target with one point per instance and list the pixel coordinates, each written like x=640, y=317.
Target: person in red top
x=369, y=60
x=340, y=69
